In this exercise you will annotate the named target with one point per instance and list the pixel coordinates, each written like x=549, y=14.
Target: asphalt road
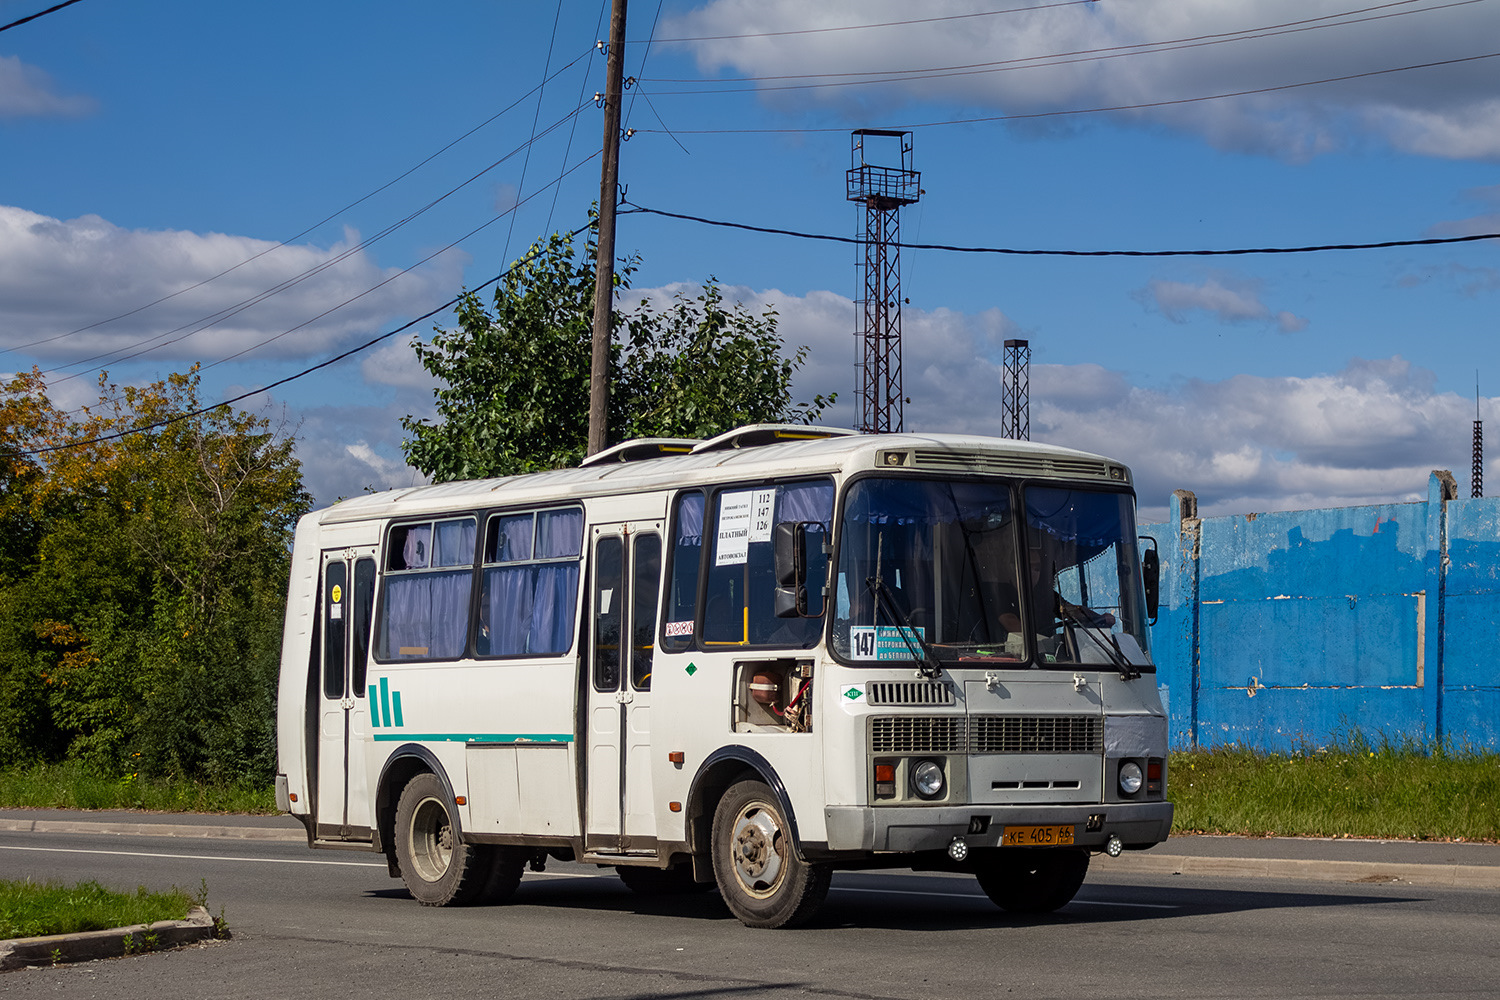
x=324, y=924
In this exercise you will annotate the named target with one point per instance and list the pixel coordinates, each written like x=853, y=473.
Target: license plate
x=1037, y=836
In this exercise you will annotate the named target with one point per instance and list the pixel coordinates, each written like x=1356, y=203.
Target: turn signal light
x=461, y=800
x=676, y=756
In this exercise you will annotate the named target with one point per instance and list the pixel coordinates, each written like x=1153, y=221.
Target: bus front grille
x=917, y=734
x=1036, y=734
x=908, y=693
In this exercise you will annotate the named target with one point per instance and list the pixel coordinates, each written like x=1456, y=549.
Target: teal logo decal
x=853, y=693
x=692, y=669
x=385, y=707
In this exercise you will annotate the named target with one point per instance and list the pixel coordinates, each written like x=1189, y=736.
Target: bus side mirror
x=1151, y=578
x=790, y=546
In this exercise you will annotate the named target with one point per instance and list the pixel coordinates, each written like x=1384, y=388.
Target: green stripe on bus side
x=477, y=737
x=396, y=703
x=385, y=703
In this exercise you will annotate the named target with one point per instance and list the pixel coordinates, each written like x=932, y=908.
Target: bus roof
x=840, y=451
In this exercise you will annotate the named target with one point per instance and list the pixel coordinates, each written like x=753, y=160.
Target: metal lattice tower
x=1477, y=481
x=1015, y=402
x=882, y=190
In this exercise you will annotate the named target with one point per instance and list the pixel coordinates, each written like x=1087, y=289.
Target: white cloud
x=345, y=450
x=26, y=92
x=1231, y=299
x=1369, y=433
x=60, y=279
x=1060, y=58
x=395, y=363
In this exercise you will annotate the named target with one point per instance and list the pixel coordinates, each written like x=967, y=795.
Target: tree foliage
x=142, y=581
x=515, y=392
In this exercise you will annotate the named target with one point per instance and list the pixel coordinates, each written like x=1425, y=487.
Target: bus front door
x=348, y=596
x=626, y=584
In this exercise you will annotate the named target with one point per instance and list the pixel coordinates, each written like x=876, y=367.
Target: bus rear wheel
x=763, y=881
x=439, y=869
x=1033, y=881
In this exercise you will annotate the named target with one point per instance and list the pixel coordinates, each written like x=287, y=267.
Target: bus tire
x=507, y=865
x=1033, y=881
x=677, y=881
x=763, y=881
x=439, y=869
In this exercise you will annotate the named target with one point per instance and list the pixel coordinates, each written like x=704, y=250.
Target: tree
x=516, y=378
x=142, y=587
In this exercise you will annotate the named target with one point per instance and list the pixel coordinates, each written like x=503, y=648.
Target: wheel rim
x=759, y=851
x=431, y=839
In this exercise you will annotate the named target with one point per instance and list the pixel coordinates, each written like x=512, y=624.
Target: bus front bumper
x=930, y=828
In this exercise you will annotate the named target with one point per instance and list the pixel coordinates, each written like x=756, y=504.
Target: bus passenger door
x=625, y=587
x=348, y=596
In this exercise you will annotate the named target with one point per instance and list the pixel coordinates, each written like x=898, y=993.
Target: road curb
x=56, y=949
x=153, y=829
x=1448, y=876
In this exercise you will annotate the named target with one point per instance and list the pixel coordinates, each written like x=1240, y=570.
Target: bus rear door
x=343, y=799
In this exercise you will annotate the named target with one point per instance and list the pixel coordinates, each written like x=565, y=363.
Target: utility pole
x=604, y=272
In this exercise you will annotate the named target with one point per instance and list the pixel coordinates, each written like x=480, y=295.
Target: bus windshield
x=953, y=571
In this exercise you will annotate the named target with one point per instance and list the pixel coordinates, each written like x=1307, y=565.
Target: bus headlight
x=927, y=779
x=1130, y=778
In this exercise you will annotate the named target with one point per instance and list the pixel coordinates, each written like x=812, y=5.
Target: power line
x=188, y=329
x=541, y=92
x=178, y=417
x=329, y=218
x=582, y=89
x=40, y=13
x=1341, y=19
x=1239, y=252
x=879, y=24
x=1098, y=110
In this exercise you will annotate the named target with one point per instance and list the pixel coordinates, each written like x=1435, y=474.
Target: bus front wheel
x=763, y=881
x=1033, y=881
x=439, y=869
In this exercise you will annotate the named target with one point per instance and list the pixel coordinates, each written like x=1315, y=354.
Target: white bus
x=742, y=662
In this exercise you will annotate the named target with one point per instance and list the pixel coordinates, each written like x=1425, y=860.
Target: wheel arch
x=405, y=762
x=718, y=772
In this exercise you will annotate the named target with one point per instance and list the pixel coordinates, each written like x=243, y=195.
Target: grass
x=31, y=909
x=1353, y=789
x=71, y=785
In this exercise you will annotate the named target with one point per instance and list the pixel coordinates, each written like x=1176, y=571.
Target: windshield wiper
x=1117, y=659
x=927, y=664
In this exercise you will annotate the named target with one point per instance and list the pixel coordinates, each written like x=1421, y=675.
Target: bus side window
x=529, y=583
x=680, y=611
x=645, y=573
x=335, y=600
x=424, y=613
x=364, y=602
x=739, y=607
x=608, y=581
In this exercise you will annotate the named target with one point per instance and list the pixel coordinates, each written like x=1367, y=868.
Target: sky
x=257, y=189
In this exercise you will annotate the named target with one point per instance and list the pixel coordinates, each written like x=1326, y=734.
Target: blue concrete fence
x=1288, y=629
